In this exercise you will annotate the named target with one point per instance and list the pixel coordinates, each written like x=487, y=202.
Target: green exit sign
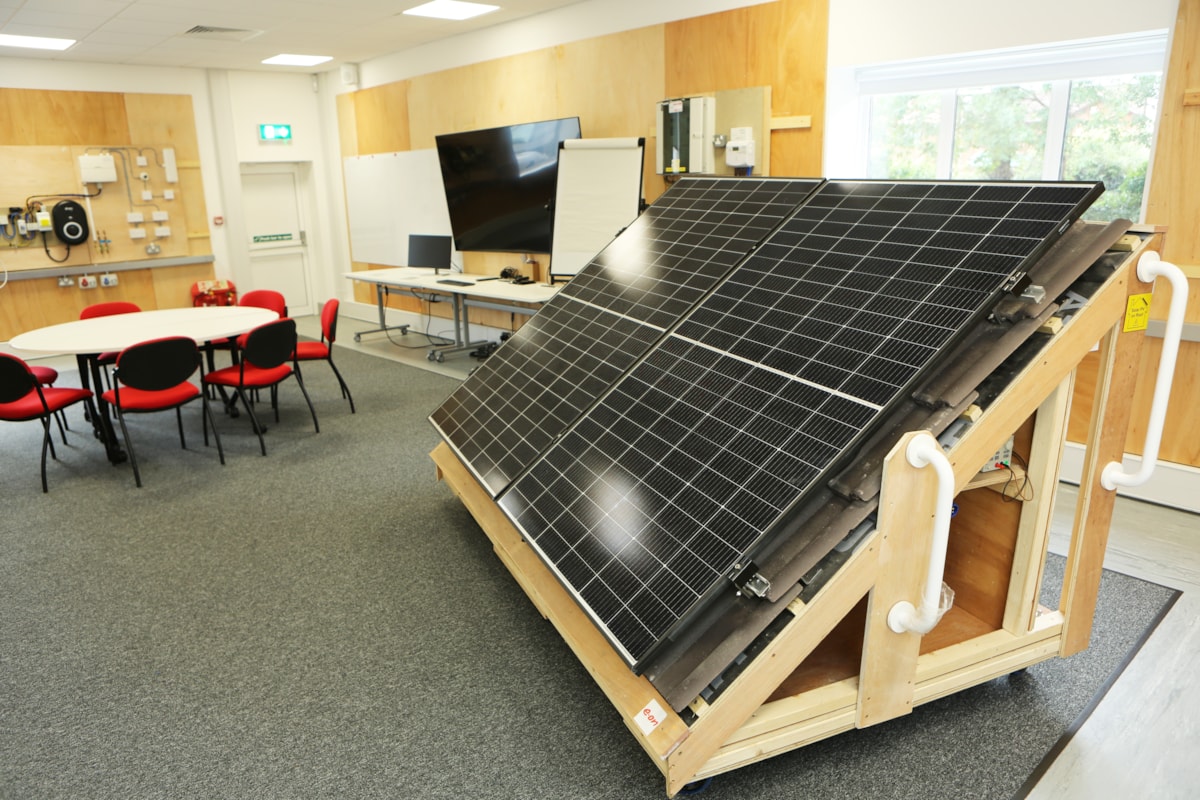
x=275, y=133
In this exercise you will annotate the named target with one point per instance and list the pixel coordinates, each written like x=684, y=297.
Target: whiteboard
x=599, y=193
x=388, y=197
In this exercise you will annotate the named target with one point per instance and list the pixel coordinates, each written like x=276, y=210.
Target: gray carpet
x=328, y=622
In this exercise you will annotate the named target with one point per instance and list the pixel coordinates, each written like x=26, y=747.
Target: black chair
x=23, y=398
x=155, y=376
x=264, y=365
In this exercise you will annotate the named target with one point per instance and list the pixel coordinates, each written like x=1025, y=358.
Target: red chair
x=46, y=376
x=23, y=398
x=323, y=350
x=154, y=376
x=265, y=298
x=105, y=360
x=263, y=365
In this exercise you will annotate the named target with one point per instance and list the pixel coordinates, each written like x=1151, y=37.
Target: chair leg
x=208, y=420
x=179, y=422
x=137, y=475
x=46, y=443
x=345, y=388
x=258, y=429
x=311, y=410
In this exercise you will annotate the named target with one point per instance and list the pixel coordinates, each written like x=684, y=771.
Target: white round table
x=87, y=338
x=118, y=331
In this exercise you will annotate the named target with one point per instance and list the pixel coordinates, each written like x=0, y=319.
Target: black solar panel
x=667, y=487
x=607, y=317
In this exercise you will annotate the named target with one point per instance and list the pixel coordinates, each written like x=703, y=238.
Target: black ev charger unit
x=69, y=222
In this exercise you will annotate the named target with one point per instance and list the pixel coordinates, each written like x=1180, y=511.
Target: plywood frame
x=745, y=724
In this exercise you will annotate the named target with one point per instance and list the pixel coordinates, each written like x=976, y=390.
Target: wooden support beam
x=889, y=660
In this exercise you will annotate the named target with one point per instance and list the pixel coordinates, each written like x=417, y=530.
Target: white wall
x=877, y=31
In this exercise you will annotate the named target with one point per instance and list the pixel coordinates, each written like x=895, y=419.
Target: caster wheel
x=358, y=337
x=696, y=787
x=431, y=356
x=441, y=358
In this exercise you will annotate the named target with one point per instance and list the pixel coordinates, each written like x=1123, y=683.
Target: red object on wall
x=214, y=293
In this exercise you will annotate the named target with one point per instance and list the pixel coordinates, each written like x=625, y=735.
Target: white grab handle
x=1149, y=267
x=923, y=451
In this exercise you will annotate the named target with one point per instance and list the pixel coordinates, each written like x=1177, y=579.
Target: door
x=274, y=212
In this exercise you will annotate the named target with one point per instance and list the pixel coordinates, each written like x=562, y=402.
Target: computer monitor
x=429, y=251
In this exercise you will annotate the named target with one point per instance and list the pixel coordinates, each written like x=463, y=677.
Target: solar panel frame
x=583, y=459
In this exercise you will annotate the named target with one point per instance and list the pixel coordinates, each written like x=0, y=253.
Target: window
x=1075, y=111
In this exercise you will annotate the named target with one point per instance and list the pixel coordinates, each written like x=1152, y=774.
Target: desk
x=487, y=293
x=87, y=338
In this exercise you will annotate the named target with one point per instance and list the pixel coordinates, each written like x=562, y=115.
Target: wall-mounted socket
x=87, y=282
x=108, y=279
x=153, y=249
x=137, y=233
x=162, y=231
x=159, y=216
x=66, y=280
x=134, y=216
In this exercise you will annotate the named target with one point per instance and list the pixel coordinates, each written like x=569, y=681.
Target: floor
x=1142, y=739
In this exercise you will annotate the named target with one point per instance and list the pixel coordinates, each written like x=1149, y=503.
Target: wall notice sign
x=272, y=237
x=674, y=106
x=650, y=717
x=1137, y=312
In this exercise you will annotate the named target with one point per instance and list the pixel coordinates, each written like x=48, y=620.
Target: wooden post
x=889, y=660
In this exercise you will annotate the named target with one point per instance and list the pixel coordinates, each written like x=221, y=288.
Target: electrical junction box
x=97, y=168
x=739, y=153
x=1001, y=459
x=685, y=128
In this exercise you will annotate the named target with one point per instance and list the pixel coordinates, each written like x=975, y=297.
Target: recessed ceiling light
x=34, y=42
x=451, y=9
x=293, y=60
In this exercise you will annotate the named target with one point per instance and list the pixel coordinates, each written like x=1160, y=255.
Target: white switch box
x=168, y=194
x=162, y=230
x=169, y=166
x=43, y=221
x=159, y=216
x=134, y=216
x=137, y=233
x=141, y=161
x=97, y=168
x=147, y=195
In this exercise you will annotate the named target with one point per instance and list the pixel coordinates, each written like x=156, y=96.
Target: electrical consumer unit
x=685, y=129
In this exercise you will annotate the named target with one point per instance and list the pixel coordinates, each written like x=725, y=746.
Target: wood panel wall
x=1173, y=202
x=61, y=123
x=612, y=83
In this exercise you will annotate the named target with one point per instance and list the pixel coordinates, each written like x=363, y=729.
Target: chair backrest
x=158, y=364
x=16, y=379
x=108, y=309
x=329, y=318
x=270, y=345
x=265, y=298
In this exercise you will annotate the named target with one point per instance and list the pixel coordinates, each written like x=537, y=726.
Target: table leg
x=102, y=426
x=380, y=296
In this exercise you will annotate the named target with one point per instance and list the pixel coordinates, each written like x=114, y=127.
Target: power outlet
x=108, y=279
x=66, y=280
x=87, y=281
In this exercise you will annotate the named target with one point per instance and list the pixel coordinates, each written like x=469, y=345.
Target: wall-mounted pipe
x=1149, y=267
x=923, y=451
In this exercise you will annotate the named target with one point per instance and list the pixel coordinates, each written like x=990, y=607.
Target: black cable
x=1012, y=474
x=32, y=197
x=46, y=247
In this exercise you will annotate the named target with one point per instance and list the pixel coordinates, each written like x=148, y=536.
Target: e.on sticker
x=650, y=717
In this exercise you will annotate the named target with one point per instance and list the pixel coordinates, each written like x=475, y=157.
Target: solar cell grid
x=531, y=389
x=696, y=455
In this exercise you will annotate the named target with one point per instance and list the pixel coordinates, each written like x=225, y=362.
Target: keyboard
x=452, y=282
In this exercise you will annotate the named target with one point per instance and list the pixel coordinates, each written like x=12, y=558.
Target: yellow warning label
x=1137, y=312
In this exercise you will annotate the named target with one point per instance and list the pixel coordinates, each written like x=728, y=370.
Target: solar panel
x=607, y=317
x=666, y=488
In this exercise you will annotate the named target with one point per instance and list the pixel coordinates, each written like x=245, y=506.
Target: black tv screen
x=500, y=184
